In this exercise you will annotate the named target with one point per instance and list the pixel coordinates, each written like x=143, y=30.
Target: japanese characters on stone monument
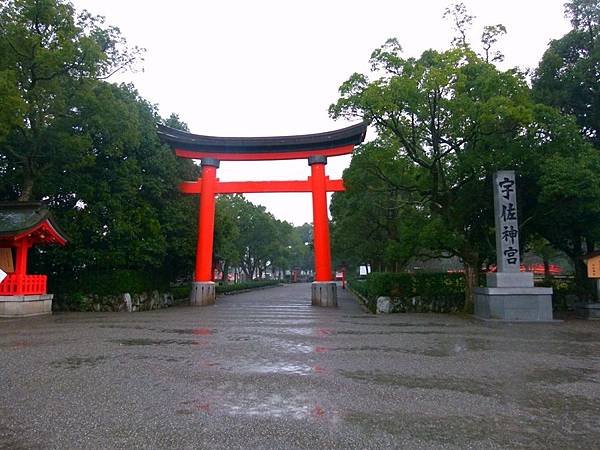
x=507, y=226
x=510, y=294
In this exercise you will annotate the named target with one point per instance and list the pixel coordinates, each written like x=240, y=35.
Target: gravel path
x=264, y=369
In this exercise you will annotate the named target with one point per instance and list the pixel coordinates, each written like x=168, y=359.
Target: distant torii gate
x=211, y=150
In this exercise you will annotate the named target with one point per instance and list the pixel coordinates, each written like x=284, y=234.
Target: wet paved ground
x=266, y=370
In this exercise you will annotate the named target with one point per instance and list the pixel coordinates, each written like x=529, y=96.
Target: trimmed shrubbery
x=182, y=292
x=423, y=292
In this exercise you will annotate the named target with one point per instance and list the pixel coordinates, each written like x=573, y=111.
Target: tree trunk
x=471, y=282
x=225, y=271
x=27, y=188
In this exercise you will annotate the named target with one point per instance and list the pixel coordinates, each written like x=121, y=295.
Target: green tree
x=253, y=238
x=122, y=210
x=568, y=79
x=450, y=119
x=568, y=76
x=302, y=248
x=88, y=148
x=49, y=62
x=227, y=234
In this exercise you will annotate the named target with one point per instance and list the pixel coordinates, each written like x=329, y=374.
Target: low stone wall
x=443, y=304
x=145, y=301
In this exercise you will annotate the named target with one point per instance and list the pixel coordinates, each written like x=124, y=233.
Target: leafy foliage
x=568, y=77
x=252, y=238
x=50, y=61
x=425, y=292
x=89, y=149
x=445, y=122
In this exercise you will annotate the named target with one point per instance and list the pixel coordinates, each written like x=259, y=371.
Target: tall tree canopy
x=444, y=123
x=568, y=77
x=49, y=62
x=87, y=147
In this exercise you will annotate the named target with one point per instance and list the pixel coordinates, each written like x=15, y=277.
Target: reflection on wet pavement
x=266, y=370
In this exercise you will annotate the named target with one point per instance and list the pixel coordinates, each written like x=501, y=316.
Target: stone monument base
x=514, y=304
x=202, y=293
x=25, y=305
x=324, y=293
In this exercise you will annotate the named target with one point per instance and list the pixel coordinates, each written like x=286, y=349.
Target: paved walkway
x=266, y=370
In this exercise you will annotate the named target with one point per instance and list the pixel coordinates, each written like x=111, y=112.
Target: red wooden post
x=21, y=266
x=206, y=221
x=320, y=219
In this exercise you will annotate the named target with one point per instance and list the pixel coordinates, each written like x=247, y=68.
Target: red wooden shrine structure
x=211, y=150
x=22, y=226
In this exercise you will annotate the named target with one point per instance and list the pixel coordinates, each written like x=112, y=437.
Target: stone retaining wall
x=145, y=301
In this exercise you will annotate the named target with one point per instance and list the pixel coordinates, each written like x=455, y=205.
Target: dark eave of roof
x=177, y=139
x=19, y=217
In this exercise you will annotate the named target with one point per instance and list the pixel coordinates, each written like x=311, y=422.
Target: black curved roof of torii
x=178, y=139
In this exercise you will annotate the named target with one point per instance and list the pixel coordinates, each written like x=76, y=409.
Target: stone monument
x=510, y=294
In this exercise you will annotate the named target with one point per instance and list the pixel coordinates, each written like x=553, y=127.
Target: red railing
x=23, y=285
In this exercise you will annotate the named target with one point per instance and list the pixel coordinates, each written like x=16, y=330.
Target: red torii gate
x=211, y=150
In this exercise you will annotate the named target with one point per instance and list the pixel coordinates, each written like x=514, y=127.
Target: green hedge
x=108, y=283
x=423, y=292
x=181, y=292
x=231, y=287
x=565, y=293
x=70, y=294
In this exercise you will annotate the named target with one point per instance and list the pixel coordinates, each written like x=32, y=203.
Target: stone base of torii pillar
x=512, y=297
x=203, y=293
x=324, y=293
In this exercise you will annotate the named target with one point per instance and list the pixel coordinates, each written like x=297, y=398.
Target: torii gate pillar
x=324, y=289
x=203, y=288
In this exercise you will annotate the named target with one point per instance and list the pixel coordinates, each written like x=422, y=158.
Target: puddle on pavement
x=445, y=350
x=552, y=404
x=271, y=368
x=75, y=362
x=269, y=406
x=241, y=338
x=191, y=331
x=471, y=432
x=293, y=347
x=153, y=357
x=467, y=386
x=546, y=375
x=370, y=348
x=373, y=332
x=124, y=327
x=405, y=324
x=155, y=342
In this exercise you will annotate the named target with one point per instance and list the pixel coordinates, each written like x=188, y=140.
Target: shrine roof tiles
x=17, y=218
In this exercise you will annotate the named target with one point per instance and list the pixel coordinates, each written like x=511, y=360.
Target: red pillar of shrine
x=22, y=251
x=324, y=288
x=203, y=289
x=206, y=220
x=320, y=219
x=21, y=265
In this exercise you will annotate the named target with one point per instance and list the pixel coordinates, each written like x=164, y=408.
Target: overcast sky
x=272, y=67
